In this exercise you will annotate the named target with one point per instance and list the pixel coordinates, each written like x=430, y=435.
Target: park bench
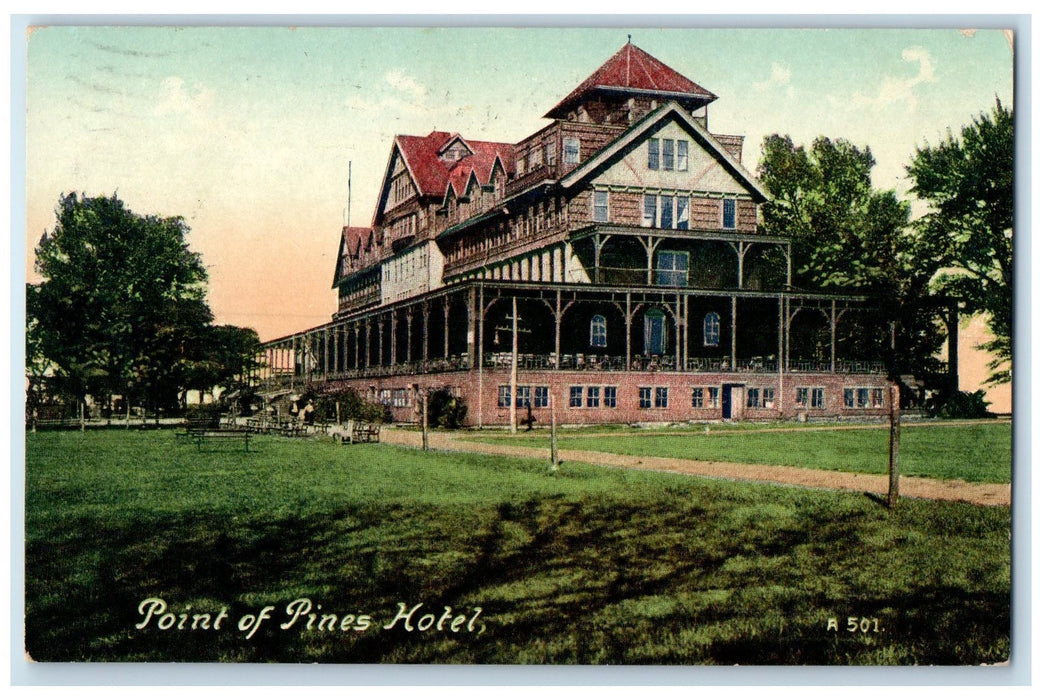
x=353, y=432
x=201, y=430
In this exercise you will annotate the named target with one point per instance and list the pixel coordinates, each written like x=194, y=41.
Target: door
x=654, y=332
x=730, y=400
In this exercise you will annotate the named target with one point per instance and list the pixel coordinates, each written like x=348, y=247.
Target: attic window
x=571, y=150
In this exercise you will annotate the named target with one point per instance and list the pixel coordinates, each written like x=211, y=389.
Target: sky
x=248, y=132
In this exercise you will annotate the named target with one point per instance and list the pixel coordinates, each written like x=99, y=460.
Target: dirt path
x=913, y=487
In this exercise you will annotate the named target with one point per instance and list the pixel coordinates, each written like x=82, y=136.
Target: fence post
x=553, y=435
x=424, y=400
x=895, y=443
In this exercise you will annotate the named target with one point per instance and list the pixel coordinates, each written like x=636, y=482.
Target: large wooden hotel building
x=613, y=257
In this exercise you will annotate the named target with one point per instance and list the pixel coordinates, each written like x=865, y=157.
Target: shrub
x=959, y=404
x=352, y=406
x=445, y=410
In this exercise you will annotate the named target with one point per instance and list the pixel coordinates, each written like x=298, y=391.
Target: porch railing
x=597, y=363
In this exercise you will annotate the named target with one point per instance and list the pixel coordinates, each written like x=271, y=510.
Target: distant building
x=626, y=233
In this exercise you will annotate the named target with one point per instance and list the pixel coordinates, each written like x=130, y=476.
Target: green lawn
x=976, y=453
x=590, y=565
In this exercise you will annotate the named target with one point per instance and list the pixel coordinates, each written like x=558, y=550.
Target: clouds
x=780, y=77
x=175, y=97
x=895, y=90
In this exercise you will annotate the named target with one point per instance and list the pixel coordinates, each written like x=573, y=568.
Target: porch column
x=781, y=348
x=832, y=339
x=445, y=306
x=380, y=323
x=325, y=353
x=680, y=330
x=336, y=349
x=471, y=325
x=368, y=341
x=408, y=334
x=629, y=331
x=355, y=334
x=734, y=331
x=394, y=338
x=687, y=329
x=557, y=332
x=426, y=310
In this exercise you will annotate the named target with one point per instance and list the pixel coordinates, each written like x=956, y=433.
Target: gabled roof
x=432, y=173
x=351, y=242
x=650, y=121
x=633, y=70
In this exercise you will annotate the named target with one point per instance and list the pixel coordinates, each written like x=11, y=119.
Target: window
x=611, y=396
x=752, y=397
x=683, y=209
x=593, y=397
x=667, y=154
x=768, y=397
x=542, y=397
x=862, y=398
x=650, y=204
x=711, y=330
x=571, y=150
x=400, y=398
x=730, y=214
x=575, y=397
x=535, y=158
x=672, y=268
x=697, y=397
x=817, y=398
x=812, y=397
x=653, y=153
x=598, y=332
x=551, y=153
x=661, y=397
x=524, y=396
x=520, y=167
x=504, y=396
x=385, y=397
x=665, y=212
x=714, y=397
x=681, y=155
x=848, y=398
x=877, y=398
x=645, y=396
x=600, y=205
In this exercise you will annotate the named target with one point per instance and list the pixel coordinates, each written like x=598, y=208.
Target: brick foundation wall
x=678, y=388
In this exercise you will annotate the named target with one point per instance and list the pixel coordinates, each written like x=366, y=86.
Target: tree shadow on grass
x=558, y=581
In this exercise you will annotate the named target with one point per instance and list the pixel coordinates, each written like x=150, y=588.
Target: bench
x=356, y=432
x=221, y=434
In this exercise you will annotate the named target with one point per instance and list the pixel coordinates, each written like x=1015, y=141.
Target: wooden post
x=513, y=367
x=83, y=417
x=895, y=443
x=423, y=399
x=338, y=413
x=553, y=435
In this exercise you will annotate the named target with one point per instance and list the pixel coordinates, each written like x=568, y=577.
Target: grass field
x=590, y=565
x=976, y=453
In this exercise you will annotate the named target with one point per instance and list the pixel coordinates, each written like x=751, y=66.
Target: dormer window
x=730, y=213
x=571, y=150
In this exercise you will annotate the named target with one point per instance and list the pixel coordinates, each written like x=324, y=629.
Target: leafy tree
x=121, y=301
x=847, y=235
x=221, y=356
x=968, y=182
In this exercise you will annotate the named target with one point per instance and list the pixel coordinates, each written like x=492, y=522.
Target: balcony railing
x=573, y=362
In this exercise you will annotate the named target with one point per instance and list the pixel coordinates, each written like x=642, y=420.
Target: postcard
x=684, y=347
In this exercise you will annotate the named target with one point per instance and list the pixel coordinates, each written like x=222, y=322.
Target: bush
x=352, y=406
x=959, y=404
x=445, y=410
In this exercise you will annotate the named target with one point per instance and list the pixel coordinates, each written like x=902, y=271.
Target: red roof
x=634, y=70
x=433, y=173
x=353, y=239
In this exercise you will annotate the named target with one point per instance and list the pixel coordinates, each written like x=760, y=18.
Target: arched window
x=598, y=332
x=711, y=329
